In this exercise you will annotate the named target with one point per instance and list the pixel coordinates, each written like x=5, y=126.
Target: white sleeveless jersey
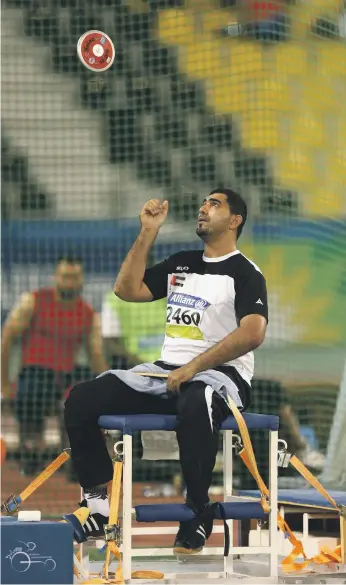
x=206, y=300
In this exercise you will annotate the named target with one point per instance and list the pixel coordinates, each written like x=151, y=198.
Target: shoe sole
x=180, y=550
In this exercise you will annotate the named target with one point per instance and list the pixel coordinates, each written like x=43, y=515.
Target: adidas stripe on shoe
x=86, y=525
x=193, y=534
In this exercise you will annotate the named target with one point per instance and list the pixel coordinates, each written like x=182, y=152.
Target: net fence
x=202, y=93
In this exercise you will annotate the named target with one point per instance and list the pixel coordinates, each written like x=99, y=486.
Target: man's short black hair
x=236, y=204
x=70, y=259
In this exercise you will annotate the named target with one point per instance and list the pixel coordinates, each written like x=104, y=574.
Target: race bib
x=184, y=315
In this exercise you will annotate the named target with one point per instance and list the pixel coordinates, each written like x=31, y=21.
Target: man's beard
x=69, y=295
x=202, y=233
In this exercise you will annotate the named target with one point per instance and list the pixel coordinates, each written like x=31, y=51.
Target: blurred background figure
x=52, y=323
x=264, y=21
x=334, y=473
x=132, y=332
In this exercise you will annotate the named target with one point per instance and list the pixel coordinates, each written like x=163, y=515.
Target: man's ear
x=235, y=222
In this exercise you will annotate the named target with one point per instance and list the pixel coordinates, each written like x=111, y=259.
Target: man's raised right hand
x=153, y=214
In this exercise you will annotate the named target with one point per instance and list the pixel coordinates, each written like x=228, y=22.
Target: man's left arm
x=251, y=308
x=247, y=337
x=95, y=346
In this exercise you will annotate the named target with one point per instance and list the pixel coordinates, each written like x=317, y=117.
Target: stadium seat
x=201, y=59
x=251, y=169
x=41, y=22
x=213, y=21
x=64, y=56
x=137, y=26
x=316, y=100
x=339, y=137
x=172, y=128
x=336, y=164
x=307, y=128
x=294, y=167
x=271, y=94
x=176, y=27
x=291, y=59
x=186, y=94
x=158, y=60
x=94, y=91
x=202, y=166
x=154, y=166
x=246, y=59
x=141, y=94
x=82, y=20
x=332, y=59
x=260, y=132
x=236, y=100
x=325, y=200
x=218, y=131
x=123, y=135
x=325, y=7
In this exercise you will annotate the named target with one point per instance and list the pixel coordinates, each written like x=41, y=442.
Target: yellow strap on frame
x=247, y=455
x=289, y=564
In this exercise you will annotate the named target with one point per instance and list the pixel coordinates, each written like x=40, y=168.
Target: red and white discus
x=96, y=50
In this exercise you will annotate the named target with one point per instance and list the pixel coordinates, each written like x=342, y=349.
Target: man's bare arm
x=245, y=338
x=95, y=347
x=16, y=324
x=129, y=285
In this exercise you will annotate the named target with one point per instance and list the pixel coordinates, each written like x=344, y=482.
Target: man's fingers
x=172, y=385
x=155, y=206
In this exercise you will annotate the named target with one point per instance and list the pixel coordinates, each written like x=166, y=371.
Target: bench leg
x=273, y=489
x=228, y=490
x=127, y=507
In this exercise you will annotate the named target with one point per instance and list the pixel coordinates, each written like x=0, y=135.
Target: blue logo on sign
x=102, y=40
x=188, y=301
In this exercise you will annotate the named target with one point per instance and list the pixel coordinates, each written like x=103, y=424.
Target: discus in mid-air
x=96, y=50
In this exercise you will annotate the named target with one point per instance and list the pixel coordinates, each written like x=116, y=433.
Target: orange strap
x=250, y=456
x=112, y=548
x=44, y=475
x=326, y=556
x=300, y=467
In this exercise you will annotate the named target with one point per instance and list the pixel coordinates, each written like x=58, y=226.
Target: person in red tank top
x=265, y=20
x=53, y=323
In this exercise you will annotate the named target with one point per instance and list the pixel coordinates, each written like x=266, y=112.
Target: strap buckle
x=283, y=455
x=11, y=505
x=237, y=445
x=342, y=510
x=118, y=451
x=113, y=532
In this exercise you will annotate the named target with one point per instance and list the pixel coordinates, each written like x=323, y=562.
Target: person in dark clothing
x=216, y=316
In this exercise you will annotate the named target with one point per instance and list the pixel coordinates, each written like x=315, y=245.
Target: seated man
x=216, y=316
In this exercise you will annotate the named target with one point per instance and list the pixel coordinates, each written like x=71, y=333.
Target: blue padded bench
x=157, y=422
x=234, y=510
x=306, y=498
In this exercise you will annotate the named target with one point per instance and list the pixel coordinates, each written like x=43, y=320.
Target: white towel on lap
x=163, y=444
